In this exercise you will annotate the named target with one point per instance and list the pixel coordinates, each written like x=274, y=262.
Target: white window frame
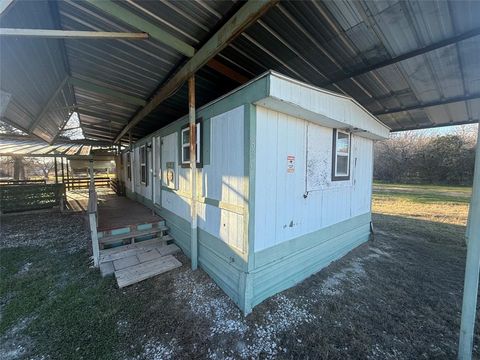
x=184, y=145
x=143, y=165
x=335, y=175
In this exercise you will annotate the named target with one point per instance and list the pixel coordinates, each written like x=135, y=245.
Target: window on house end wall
x=143, y=165
x=129, y=166
x=341, y=155
x=185, y=145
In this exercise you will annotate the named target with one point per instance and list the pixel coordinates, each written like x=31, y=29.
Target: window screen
x=341, y=156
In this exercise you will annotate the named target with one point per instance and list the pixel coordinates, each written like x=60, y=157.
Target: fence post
x=92, y=219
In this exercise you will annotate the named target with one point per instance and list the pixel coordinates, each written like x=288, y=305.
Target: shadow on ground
x=396, y=297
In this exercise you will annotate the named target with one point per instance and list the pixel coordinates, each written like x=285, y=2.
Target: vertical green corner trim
x=246, y=278
x=250, y=154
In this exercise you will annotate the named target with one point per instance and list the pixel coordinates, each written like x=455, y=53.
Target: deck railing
x=31, y=197
x=84, y=182
x=22, y=182
x=93, y=221
x=117, y=186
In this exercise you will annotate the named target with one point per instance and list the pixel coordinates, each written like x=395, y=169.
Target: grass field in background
x=444, y=204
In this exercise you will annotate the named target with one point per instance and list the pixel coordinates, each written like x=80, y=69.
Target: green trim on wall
x=305, y=242
x=302, y=264
x=219, y=260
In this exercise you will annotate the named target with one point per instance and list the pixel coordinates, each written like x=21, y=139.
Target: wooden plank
x=72, y=34
x=143, y=271
x=126, y=262
x=150, y=254
x=130, y=249
x=169, y=250
x=132, y=234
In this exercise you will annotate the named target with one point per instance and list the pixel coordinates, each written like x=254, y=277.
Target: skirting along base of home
x=276, y=268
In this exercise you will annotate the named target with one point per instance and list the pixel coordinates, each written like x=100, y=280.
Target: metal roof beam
x=140, y=23
x=4, y=5
x=48, y=105
x=241, y=20
x=408, y=55
x=122, y=97
x=72, y=34
x=429, y=104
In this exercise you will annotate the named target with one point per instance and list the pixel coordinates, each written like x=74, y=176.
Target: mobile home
x=284, y=183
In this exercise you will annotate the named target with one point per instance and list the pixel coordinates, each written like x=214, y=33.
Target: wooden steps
x=137, y=252
x=139, y=261
x=131, y=235
x=133, y=274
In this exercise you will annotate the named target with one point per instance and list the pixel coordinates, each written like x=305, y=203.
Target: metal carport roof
x=414, y=64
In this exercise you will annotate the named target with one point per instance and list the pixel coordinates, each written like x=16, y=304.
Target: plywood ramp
x=136, y=262
x=133, y=274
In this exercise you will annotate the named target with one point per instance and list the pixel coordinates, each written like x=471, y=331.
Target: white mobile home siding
x=221, y=181
x=257, y=220
x=289, y=205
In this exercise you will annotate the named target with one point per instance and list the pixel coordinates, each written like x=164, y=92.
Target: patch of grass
x=73, y=312
x=441, y=204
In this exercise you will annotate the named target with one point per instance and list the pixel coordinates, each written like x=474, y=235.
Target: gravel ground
x=397, y=297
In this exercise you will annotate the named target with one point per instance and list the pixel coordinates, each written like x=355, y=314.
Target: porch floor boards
x=119, y=211
x=77, y=200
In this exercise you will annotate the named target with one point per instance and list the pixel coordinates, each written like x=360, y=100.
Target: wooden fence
x=22, y=182
x=84, y=183
x=31, y=197
x=117, y=186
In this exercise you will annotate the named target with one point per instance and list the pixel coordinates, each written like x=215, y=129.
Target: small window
x=129, y=166
x=341, y=156
x=143, y=165
x=185, y=145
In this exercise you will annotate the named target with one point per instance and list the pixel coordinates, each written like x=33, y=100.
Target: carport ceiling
x=414, y=64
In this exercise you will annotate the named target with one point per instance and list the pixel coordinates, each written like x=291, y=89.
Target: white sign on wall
x=290, y=163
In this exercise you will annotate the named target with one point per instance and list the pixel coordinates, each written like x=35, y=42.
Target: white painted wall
x=281, y=210
x=222, y=180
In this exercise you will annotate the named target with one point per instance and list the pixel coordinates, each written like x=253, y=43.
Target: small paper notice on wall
x=290, y=164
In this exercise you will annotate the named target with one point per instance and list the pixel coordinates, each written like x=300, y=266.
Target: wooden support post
x=56, y=170
x=193, y=171
x=92, y=175
x=92, y=219
x=472, y=266
x=68, y=176
x=63, y=171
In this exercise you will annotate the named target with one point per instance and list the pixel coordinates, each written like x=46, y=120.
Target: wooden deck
x=77, y=200
x=118, y=212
